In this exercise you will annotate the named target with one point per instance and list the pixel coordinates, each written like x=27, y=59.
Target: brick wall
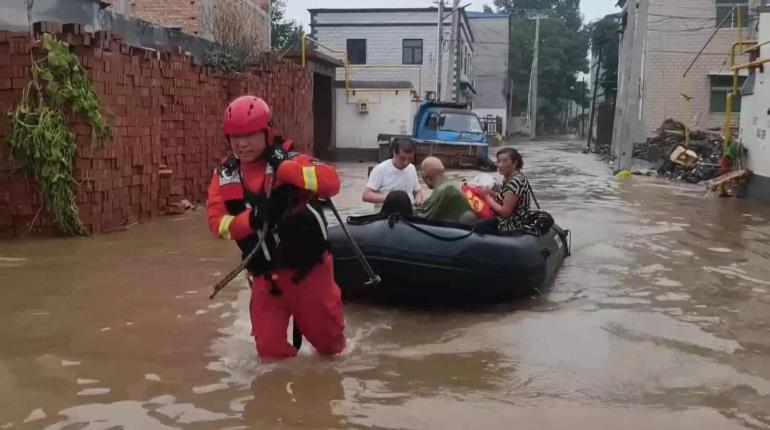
x=195, y=17
x=186, y=14
x=167, y=113
x=676, y=31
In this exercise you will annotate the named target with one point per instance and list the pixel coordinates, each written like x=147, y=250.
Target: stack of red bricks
x=166, y=111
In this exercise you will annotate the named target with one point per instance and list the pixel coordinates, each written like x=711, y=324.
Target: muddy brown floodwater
x=659, y=320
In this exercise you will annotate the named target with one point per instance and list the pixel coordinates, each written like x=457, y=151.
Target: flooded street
x=660, y=319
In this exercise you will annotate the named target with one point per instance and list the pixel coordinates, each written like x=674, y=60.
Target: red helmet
x=247, y=115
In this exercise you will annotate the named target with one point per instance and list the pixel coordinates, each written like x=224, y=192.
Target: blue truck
x=447, y=131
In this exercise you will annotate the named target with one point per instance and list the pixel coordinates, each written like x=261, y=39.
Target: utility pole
x=270, y=25
x=593, y=99
x=440, y=49
x=453, y=46
x=583, y=106
x=533, y=79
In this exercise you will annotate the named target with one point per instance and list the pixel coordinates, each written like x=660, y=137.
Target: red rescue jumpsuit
x=315, y=300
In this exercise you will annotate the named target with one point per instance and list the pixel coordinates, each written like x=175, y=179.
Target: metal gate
x=491, y=124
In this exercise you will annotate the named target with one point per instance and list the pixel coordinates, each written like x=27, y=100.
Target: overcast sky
x=297, y=9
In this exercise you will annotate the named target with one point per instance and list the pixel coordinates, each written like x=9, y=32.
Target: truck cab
x=449, y=125
x=448, y=131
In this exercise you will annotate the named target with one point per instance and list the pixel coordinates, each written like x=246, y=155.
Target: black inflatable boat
x=424, y=262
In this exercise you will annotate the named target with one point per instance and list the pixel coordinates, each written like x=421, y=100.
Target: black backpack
x=539, y=221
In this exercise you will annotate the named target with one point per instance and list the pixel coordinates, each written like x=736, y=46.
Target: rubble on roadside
x=603, y=150
x=694, y=161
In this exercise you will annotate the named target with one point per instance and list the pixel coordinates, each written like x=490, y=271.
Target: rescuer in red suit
x=265, y=187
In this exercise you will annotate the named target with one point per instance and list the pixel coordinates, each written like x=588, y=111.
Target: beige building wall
x=676, y=31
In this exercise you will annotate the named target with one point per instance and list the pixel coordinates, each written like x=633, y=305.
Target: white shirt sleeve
x=375, y=179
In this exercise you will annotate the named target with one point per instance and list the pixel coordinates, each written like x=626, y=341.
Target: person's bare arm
x=506, y=209
x=371, y=196
x=419, y=198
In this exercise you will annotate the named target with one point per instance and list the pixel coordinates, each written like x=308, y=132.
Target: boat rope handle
x=393, y=219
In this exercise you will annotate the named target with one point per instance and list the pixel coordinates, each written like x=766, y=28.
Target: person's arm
x=371, y=196
x=510, y=199
x=431, y=205
x=371, y=193
x=221, y=223
x=310, y=175
x=505, y=209
x=418, y=197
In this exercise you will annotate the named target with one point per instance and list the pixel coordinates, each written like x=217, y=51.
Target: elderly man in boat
x=447, y=201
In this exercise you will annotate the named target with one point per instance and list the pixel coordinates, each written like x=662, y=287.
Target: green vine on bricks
x=39, y=132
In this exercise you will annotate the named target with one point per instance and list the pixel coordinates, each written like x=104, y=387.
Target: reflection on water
x=660, y=319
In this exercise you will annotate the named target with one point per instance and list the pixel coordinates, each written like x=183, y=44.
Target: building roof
x=373, y=10
x=487, y=15
x=390, y=10
x=450, y=110
x=315, y=56
x=376, y=84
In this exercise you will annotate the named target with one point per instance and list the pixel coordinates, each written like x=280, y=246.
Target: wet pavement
x=660, y=319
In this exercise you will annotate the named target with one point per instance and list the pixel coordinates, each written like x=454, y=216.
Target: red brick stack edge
x=167, y=141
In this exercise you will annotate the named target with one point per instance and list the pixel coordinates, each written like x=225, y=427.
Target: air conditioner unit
x=363, y=105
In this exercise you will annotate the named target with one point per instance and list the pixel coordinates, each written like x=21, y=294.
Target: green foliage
x=39, y=132
x=563, y=52
x=605, y=41
x=226, y=59
x=282, y=32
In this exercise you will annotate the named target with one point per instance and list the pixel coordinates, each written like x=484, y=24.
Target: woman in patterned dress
x=510, y=201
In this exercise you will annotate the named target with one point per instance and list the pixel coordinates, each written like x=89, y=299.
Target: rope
x=532, y=193
x=395, y=218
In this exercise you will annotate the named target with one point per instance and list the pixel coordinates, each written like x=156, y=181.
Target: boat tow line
x=374, y=279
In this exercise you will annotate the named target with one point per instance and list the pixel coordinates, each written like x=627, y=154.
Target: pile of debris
x=674, y=157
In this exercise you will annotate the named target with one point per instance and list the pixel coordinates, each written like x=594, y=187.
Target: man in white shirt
x=395, y=174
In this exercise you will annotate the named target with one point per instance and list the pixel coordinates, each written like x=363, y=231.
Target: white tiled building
x=490, y=60
x=661, y=39
x=393, y=57
x=405, y=40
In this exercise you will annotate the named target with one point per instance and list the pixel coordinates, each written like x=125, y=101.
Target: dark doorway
x=323, y=116
x=605, y=121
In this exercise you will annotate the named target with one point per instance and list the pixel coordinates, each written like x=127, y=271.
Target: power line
x=672, y=51
x=684, y=30
x=709, y=18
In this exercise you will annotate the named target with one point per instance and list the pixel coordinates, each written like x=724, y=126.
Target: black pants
x=489, y=226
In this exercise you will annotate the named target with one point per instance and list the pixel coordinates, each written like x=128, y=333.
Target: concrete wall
x=629, y=126
x=384, y=32
x=389, y=113
x=501, y=112
x=755, y=120
x=518, y=125
x=490, y=60
x=167, y=114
